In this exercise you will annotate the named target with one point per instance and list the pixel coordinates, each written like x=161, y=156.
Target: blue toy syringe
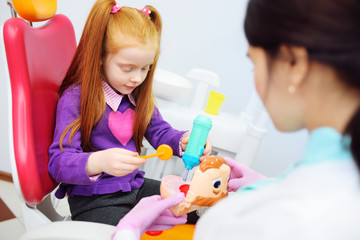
x=195, y=147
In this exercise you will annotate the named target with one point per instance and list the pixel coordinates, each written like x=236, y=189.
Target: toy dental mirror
x=164, y=152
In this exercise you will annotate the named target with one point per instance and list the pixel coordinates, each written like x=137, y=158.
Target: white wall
x=203, y=33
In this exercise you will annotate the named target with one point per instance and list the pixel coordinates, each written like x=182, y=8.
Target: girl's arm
x=68, y=166
x=160, y=132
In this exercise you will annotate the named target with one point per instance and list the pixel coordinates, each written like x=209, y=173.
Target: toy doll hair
x=105, y=33
x=328, y=29
x=212, y=162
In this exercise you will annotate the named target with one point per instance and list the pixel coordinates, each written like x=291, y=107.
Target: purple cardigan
x=68, y=167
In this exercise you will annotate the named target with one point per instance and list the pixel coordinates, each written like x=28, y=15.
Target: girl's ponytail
x=143, y=94
x=85, y=69
x=155, y=18
x=353, y=129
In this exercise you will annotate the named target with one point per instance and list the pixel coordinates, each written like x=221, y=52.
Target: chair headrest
x=35, y=10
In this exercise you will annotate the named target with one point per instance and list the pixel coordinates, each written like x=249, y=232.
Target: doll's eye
x=217, y=183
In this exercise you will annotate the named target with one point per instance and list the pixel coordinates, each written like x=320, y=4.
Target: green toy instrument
x=195, y=147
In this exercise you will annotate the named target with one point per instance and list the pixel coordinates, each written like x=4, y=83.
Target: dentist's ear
x=298, y=61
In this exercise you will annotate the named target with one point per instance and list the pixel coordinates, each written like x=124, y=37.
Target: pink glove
x=152, y=214
x=241, y=175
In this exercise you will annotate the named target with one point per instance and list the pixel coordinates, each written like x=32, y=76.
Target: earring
x=291, y=89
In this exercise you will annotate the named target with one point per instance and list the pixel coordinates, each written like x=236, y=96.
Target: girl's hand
x=207, y=150
x=208, y=145
x=114, y=161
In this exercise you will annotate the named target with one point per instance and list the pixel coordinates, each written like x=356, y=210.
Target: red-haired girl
x=105, y=110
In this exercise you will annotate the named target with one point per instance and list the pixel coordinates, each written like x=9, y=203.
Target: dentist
x=306, y=56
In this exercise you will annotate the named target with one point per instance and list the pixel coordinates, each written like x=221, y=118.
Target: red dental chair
x=37, y=60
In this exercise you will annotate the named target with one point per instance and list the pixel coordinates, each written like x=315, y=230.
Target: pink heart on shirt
x=121, y=125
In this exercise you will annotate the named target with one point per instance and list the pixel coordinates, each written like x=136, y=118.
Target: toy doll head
x=208, y=186
x=209, y=183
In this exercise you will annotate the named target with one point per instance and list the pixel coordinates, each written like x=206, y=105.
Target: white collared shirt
x=112, y=98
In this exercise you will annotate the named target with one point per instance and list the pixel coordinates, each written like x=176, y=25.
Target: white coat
x=319, y=199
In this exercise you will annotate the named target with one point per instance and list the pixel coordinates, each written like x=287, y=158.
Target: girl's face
x=127, y=68
x=272, y=85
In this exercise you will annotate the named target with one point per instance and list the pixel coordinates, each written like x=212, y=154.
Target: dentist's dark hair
x=328, y=29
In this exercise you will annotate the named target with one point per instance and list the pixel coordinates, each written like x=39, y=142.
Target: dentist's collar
x=326, y=144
